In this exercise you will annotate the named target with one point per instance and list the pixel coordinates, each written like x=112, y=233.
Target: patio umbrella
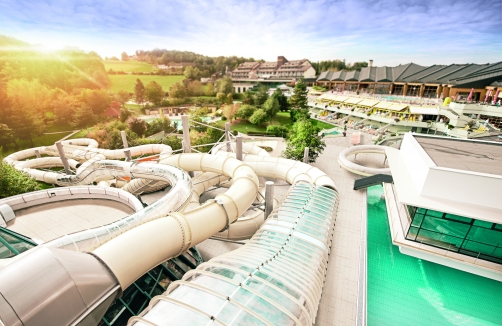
x=496, y=97
x=488, y=95
x=469, y=98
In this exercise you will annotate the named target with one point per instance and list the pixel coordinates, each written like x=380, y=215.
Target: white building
x=445, y=203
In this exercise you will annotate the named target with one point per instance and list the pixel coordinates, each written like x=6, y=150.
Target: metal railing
x=362, y=283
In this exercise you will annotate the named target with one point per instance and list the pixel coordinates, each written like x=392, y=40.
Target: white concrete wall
x=416, y=160
x=464, y=186
x=309, y=73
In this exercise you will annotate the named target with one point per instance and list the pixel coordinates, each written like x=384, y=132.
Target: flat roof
x=468, y=155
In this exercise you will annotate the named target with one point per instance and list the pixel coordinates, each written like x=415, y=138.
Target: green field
x=127, y=81
x=282, y=119
x=44, y=140
x=129, y=66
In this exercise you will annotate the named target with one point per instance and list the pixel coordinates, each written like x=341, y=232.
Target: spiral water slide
x=82, y=153
x=127, y=249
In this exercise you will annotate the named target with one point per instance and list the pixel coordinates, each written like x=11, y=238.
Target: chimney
x=371, y=63
x=281, y=60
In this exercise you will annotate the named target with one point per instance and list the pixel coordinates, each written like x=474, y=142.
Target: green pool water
x=403, y=290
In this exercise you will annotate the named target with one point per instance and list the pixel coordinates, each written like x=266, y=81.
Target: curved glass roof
x=275, y=279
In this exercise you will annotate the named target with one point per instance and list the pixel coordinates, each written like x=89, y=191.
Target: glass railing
x=12, y=243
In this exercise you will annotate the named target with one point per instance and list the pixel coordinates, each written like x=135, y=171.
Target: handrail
x=362, y=284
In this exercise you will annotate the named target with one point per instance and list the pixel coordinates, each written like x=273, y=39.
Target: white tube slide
x=248, y=148
x=176, y=233
x=174, y=200
x=265, y=166
x=360, y=169
x=285, y=169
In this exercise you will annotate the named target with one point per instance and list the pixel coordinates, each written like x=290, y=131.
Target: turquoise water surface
x=403, y=290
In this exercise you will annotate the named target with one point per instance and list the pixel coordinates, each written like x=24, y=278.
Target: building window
x=430, y=91
x=456, y=233
x=382, y=89
x=397, y=90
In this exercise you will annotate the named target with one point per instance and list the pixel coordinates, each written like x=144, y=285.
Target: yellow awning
x=368, y=103
x=383, y=105
x=353, y=100
x=397, y=107
x=340, y=98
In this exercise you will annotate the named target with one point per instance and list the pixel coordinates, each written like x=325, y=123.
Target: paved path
x=68, y=136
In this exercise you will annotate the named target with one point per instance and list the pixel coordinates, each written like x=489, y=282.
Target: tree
x=283, y=100
x=125, y=114
x=14, y=182
x=154, y=92
x=224, y=85
x=6, y=136
x=304, y=134
x=194, y=88
x=191, y=73
x=139, y=92
x=247, y=98
x=83, y=117
x=122, y=96
x=245, y=112
x=209, y=90
x=230, y=99
x=177, y=90
x=25, y=114
x=159, y=124
x=98, y=100
x=138, y=126
x=230, y=110
x=261, y=96
x=259, y=117
x=221, y=97
x=299, y=100
x=125, y=57
x=271, y=107
x=64, y=107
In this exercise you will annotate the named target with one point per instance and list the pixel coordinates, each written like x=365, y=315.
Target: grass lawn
x=127, y=81
x=44, y=140
x=54, y=127
x=129, y=66
x=81, y=134
x=322, y=125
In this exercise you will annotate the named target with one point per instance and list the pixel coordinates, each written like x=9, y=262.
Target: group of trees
x=152, y=92
x=36, y=87
x=337, y=65
x=205, y=65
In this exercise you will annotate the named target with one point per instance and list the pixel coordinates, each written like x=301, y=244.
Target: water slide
x=360, y=169
x=125, y=247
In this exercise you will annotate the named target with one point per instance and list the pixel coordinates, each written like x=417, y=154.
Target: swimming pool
x=404, y=290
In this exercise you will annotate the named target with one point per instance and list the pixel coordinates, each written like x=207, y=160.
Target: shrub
x=14, y=182
x=278, y=131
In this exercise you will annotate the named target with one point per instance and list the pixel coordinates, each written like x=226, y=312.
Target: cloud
x=317, y=29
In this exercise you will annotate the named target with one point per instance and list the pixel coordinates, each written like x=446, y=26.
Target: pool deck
x=49, y=221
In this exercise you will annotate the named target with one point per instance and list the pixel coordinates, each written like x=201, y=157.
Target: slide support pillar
x=306, y=155
x=124, y=139
x=187, y=147
x=63, y=157
x=227, y=135
x=127, y=154
x=238, y=148
x=269, y=198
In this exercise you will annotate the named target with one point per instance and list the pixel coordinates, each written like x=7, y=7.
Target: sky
x=390, y=32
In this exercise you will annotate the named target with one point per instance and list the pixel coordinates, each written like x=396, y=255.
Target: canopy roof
x=383, y=105
x=369, y=102
x=420, y=110
x=397, y=107
x=353, y=100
